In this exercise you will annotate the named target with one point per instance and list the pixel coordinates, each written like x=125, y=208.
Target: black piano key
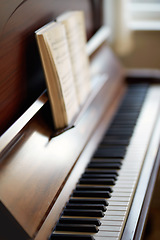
x=134, y=109
x=122, y=125
x=131, y=114
x=101, y=171
x=87, y=221
x=104, y=165
x=119, y=131
x=97, y=194
x=88, y=201
x=105, y=176
x=86, y=206
x=126, y=118
x=102, y=152
x=94, y=188
x=97, y=181
x=111, y=148
x=116, y=138
x=133, y=99
x=58, y=236
x=83, y=213
x=120, y=142
x=124, y=121
x=76, y=228
x=106, y=160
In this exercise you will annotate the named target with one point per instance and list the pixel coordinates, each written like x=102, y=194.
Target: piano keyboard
x=100, y=203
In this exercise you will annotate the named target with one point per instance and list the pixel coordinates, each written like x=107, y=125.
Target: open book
x=62, y=46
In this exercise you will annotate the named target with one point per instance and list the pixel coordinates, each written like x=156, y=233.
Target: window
x=145, y=14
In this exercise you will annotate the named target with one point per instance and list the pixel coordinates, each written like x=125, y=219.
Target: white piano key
x=124, y=185
x=110, y=228
x=115, y=213
x=125, y=190
x=111, y=223
x=113, y=218
x=117, y=208
x=107, y=234
x=120, y=199
x=121, y=194
x=114, y=203
x=106, y=238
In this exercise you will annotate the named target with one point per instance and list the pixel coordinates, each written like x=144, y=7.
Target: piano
x=95, y=180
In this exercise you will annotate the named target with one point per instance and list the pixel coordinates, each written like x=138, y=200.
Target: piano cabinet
x=38, y=171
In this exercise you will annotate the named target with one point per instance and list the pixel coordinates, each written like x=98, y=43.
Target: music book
x=76, y=36
x=55, y=58
x=62, y=47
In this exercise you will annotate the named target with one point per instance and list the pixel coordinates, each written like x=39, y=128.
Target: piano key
x=106, y=160
x=76, y=228
x=122, y=125
x=101, y=181
x=126, y=109
x=110, y=228
x=107, y=234
x=104, y=165
x=97, y=194
x=87, y=221
x=118, y=203
x=101, y=171
x=106, y=238
x=123, y=121
x=94, y=188
x=110, y=142
x=83, y=213
x=126, y=116
x=85, y=175
x=86, y=206
x=113, y=218
x=117, y=208
x=124, y=190
x=116, y=137
x=88, y=201
x=116, y=153
x=115, y=213
x=119, y=131
x=120, y=199
x=60, y=236
x=112, y=147
x=111, y=223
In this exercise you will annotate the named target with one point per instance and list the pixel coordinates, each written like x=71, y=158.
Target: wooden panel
x=22, y=78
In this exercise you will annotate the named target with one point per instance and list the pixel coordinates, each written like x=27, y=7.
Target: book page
x=57, y=46
x=76, y=36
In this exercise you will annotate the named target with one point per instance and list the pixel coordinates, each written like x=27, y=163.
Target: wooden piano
x=95, y=180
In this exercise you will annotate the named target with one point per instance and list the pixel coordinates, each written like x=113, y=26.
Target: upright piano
x=94, y=180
